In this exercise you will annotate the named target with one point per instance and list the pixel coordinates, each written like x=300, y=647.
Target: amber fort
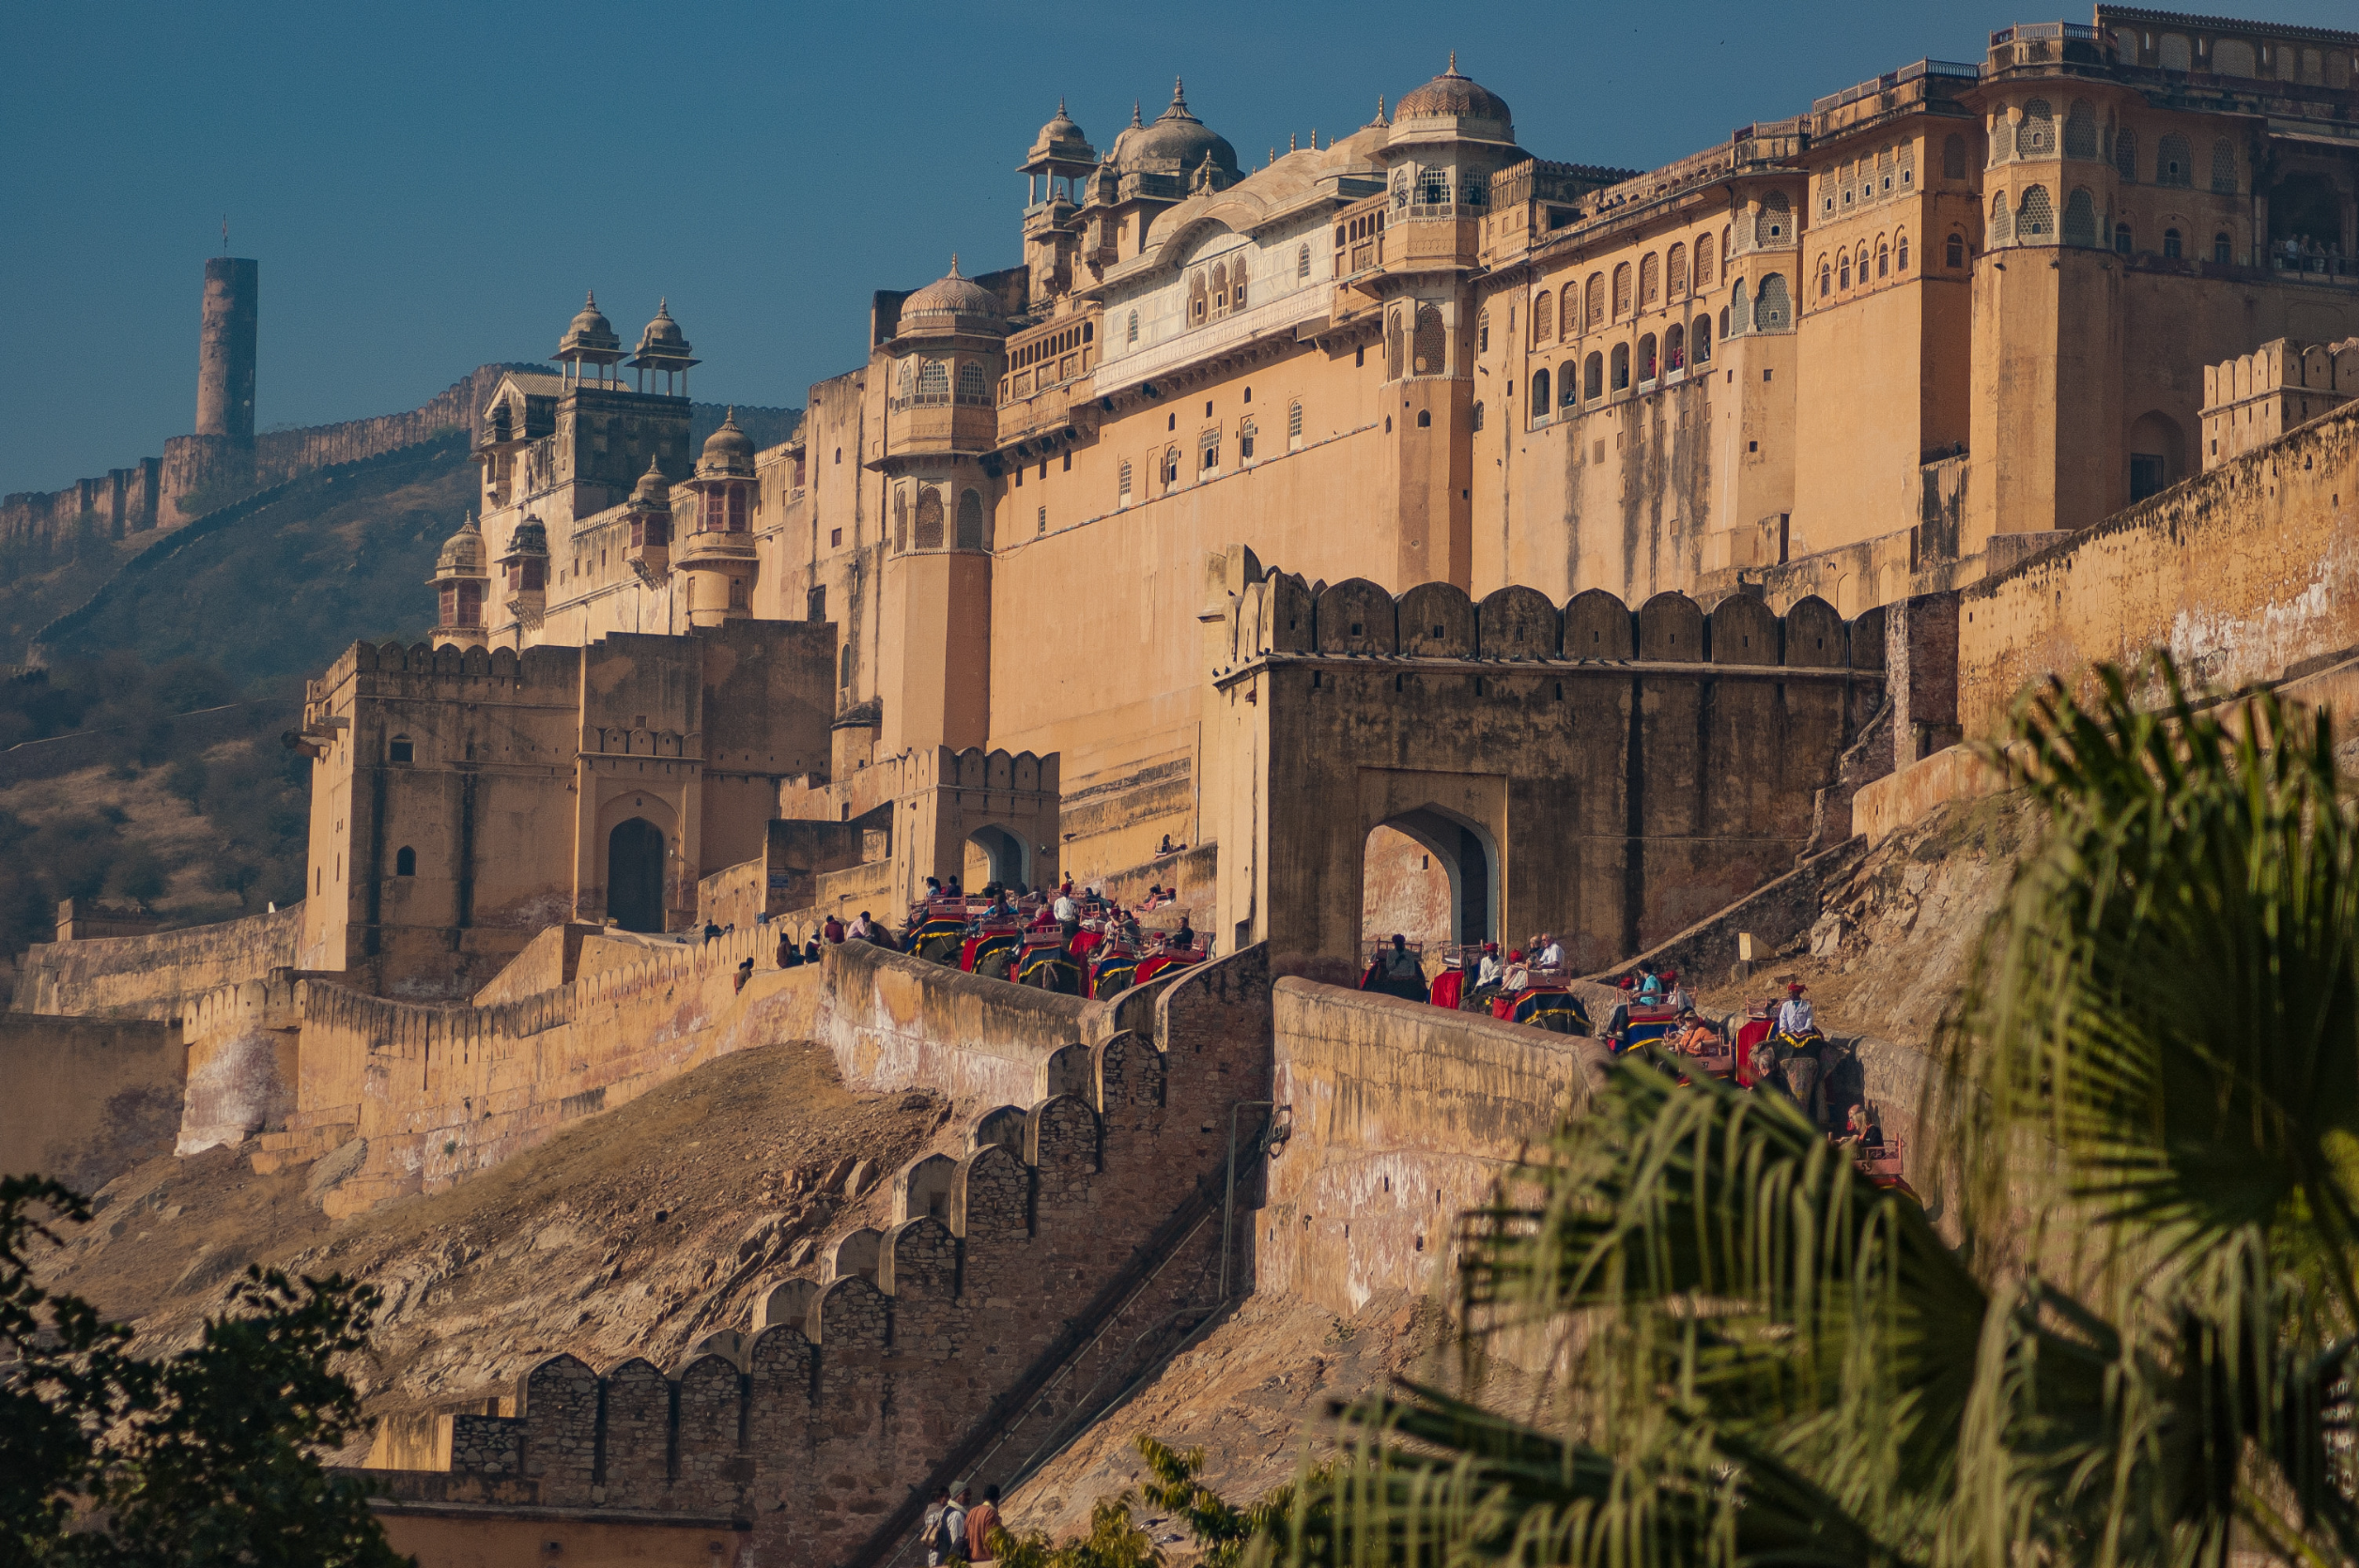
x=1549, y=547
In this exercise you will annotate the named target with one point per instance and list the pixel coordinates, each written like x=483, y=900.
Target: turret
x=525, y=567
x=459, y=582
x=590, y=341
x=718, y=556
x=663, y=350
x=649, y=514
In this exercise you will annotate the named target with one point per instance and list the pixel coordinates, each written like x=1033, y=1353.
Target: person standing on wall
x=980, y=1524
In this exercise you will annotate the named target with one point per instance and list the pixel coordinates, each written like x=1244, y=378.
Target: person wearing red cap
x=1794, y=1014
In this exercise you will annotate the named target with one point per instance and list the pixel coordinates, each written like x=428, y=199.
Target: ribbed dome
x=530, y=537
x=653, y=491
x=1176, y=143
x=728, y=452
x=462, y=552
x=591, y=332
x=1450, y=96
x=663, y=333
x=1062, y=140
x=951, y=294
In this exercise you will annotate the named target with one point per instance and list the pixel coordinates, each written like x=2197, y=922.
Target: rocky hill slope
x=633, y=1233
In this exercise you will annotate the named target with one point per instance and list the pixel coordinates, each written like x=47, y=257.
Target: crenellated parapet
x=893, y=1362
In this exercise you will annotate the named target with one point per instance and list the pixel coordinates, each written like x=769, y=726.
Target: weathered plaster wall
x=2242, y=572
x=150, y=976
x=86, y=1099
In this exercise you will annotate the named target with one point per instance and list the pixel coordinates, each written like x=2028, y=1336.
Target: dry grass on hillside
x=633, y=1233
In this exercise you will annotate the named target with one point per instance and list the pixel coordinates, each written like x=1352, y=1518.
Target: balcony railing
x=2324, y=268
x=1891, y=80
x=2022, y=31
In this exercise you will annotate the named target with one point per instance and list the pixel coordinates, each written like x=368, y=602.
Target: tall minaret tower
x=217, y=461
x=225, y=353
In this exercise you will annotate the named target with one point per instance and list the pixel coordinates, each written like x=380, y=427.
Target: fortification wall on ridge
x=2244, y=573
x=829, y=1429
x=153, y=976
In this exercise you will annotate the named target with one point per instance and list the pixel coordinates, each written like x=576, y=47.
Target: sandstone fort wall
x=87, y=1099
x=151, y=976
x=2243, y=574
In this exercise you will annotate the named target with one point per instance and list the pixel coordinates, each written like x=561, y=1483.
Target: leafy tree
x=207, y=1456
x=1224, y=1533
x=2134, y=1344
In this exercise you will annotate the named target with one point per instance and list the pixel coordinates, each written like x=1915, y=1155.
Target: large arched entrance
x=635, y=875
x=993, y=854
x=1430, y=875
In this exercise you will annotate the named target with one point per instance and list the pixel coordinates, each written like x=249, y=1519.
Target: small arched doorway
x=635, y=875
x=1429, y=875
x=993, y=854
x=2154, y=455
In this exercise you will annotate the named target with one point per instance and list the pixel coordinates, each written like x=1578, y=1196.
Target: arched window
x=1425, y=419
x=1953, y=251
x=2232, y=57
x=1123, y=477
x=1773, y=312
x=1593, y=378
x=1433, y=187
x=2223, y=248
x=1740, y=312
x=1674, y=348
x=1843, y=273
x=901, y=518
x=934, y=382
x=1826, y=278
x=2171, y=246
x=2174, y=162
x=1170, y=468
x=1724, y=321
x=1776, y=220
x=1726, y=230
x=843, y=667
x=2125, y=153
x=970, y=520
x=1595, y=311
x=404, y=862
x=1543, y=316
x=1954, y=157
x=1220, y=288
x=1237, y=286
x=1476, y=418
x=1432, y=343
x=2080, y=129
x=2080, y=218
x=1675, y=270
x=1199, y=300
x=1302, y=262
x=1700, y=341
x=1294, y=426
x=970, y=384
x=2121, y=238
x=2035, y=219
x=1482, y=331
x=1564, y=387
x=2224, y=167
x=1621, y=367
x=1900, y=252
x=1392, y=346
x=1883, y=259
x=1132, y=336
x=1650, y=280
x=2002, y=223
x=927, y=532
x=1621, y=291
x=2035, y=135
x=1704, y=261
x=1649, y=366
x=1539, y=395
x=2002, y=138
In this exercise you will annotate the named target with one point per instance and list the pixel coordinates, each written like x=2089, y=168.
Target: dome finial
x=1179, y=92
x=1454, y=62
x=955, y=271
x=1060, y=103
x=1379, y=108
x=1136, y=123
x=590, y=298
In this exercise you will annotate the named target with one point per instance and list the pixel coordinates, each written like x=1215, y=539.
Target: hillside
x=631, y=1232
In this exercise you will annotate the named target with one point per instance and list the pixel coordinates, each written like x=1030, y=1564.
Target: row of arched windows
x=1888, y=256
x=1213, y=295
x=1606, y=371
x=2175, y=160
x=1891, y=172
x=918, y=518
x=1659, y=276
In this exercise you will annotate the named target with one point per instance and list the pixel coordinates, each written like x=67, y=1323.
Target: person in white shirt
x=1487, y=972
x=1065, y=910
x=1552, y=954
x=1794, y=1014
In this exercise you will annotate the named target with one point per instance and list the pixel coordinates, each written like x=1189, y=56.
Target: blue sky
x=429, y=186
